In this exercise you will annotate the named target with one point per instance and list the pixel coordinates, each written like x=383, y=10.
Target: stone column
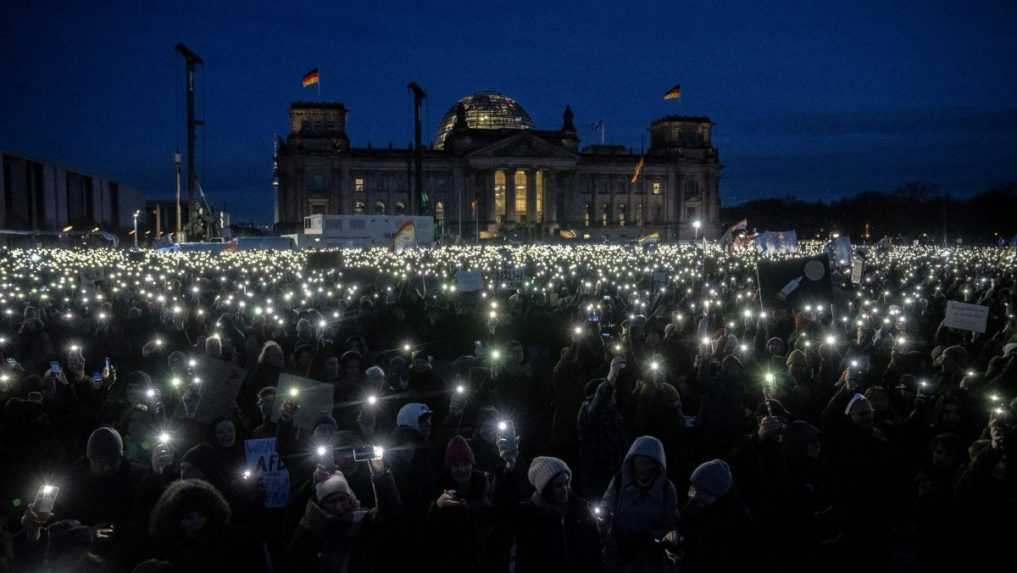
x=670, y=196
x=531, y=196
x=456, y=205
x=510, y=194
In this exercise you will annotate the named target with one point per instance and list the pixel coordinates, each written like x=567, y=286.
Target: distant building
x=491, y=172
x=42, y=196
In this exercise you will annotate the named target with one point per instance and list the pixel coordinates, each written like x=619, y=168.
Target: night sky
x=813, y=100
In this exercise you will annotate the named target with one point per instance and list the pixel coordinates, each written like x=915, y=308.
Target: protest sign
x=965, y=316
x=323, y=260
x=262, y=459
x=788, y=283
x=220, y=384
x=857, y=268
x=313, y=397
x=469, y=281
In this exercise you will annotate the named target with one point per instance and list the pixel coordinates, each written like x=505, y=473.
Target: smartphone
x=367, y=454
x=45, y=498
x=55, y=367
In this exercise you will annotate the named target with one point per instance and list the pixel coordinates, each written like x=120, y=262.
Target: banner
x=469, y=281
x=857, y=269
x=965, y=316
x=794, y=282
x=263, y=460
x=323, y=260
x=771, y=242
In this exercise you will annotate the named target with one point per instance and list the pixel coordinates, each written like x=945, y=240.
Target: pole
x=135, y=229
x=417, y=201
x=176, y=235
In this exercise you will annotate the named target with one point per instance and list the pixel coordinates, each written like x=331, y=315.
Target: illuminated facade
x=491, y=172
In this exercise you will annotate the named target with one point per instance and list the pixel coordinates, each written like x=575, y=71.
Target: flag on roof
x=674, y=93
x=310, y=78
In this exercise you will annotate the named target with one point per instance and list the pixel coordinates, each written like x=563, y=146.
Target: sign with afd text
x=264, y=462
x=964, y=316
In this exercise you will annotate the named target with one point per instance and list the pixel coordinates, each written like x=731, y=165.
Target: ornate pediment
x=523, y=145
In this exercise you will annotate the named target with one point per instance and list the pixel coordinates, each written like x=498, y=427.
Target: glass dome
x=485, y=110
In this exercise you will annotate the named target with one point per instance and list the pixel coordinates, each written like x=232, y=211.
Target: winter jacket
x=640, y=515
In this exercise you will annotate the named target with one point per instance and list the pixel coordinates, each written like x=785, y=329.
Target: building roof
x=685, y=118
x=484, y=110
x=317, y=105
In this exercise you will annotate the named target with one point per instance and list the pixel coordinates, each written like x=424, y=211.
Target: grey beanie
x=105, y=443
x=713, y=478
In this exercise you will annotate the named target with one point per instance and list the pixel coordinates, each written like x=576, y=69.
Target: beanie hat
x=336, y=483
x=543, y=469
x=267, y=392
x=350, y=355
x=105, y=443
x=374, y=374
x=458, y=451
x=713, y=477
x=410, y=414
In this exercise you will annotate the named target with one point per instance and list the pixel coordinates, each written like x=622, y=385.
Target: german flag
x=639, y=169
x=674, y=93
x=310, y=78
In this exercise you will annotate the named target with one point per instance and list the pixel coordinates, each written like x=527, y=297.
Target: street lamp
x=136, y=214
x=696, y=225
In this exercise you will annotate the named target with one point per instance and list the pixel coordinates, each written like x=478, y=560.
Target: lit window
x=621, y=215
x=358, y=185
x=520, y=180
x=439, y=213
x=400, y=208
x=656, y=187
x=639, y=214
x=586, y=215
x=359, y=207
x=379, y=208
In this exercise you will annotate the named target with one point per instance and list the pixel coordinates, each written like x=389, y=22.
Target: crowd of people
x=589, y=408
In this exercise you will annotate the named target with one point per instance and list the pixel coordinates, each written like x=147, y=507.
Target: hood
x=644, y=446
x=409, y=415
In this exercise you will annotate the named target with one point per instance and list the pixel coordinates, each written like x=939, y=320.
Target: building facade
x=42, y=196
x=490, y=172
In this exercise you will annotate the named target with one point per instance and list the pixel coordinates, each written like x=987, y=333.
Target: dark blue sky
x=811, y=99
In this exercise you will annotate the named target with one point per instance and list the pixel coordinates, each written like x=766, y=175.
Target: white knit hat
x=375, y=373
x=409, y=415
x=544, y=469
x=336, y=483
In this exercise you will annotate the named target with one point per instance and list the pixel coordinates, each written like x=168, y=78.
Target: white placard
x=964, y=316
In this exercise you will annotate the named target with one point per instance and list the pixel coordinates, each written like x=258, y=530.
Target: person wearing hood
x=715, y=529
x=641, y=507
x=337, y=535
x=554, y=529
x=462, y=512
x=270, y=364
x=190, y=527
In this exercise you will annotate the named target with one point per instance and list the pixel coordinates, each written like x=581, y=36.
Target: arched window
x=379, y=208
x=621, y=215
x=521, y=196
x=604, y=215
x=400, y=208
x=586, y=215
x=359, y=208
x=499, y=196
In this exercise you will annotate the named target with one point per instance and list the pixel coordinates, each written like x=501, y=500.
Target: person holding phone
x=462, y=511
